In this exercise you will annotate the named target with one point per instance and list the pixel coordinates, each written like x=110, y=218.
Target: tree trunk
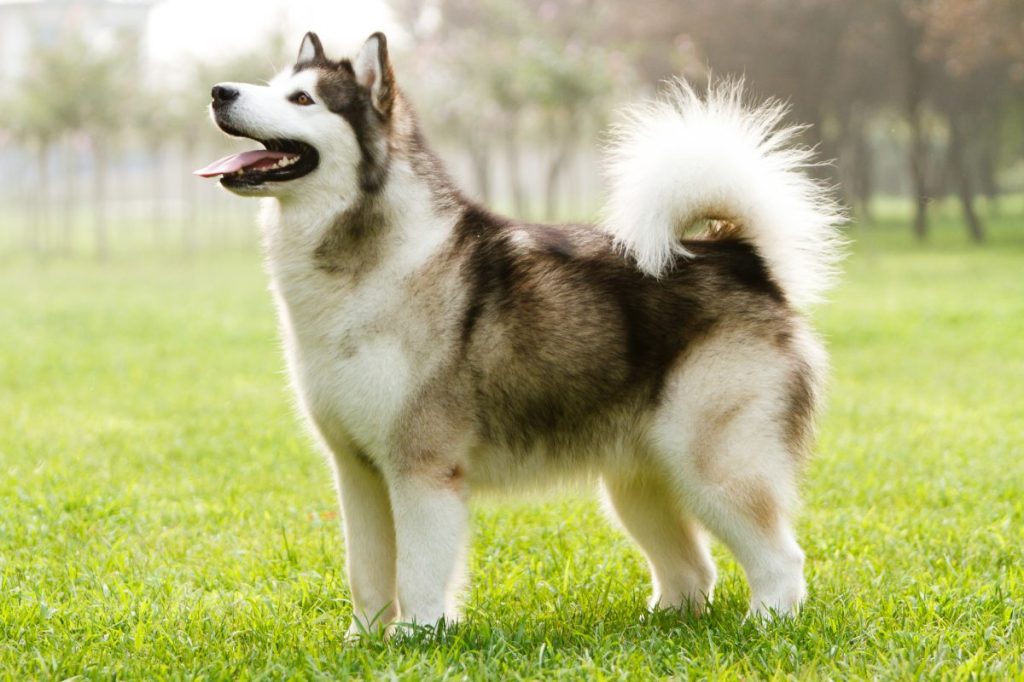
x=158, y=190
x=189, y=227
x=99, y=197
x=561, y=126
x=827, y=149
x=70, y=171
x=555, y=168
x=864, y=172
x=919, y=173
x=962, y=178
x=861, y=167
x=480, y=157
x=512, y=158
x=988, y=162
x=909, y=37
x=41, y=200
x=854, y=163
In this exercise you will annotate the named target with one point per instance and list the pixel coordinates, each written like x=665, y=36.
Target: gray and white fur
x=438, y=349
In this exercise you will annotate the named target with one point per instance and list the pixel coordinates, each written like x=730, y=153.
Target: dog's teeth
x=285, y=162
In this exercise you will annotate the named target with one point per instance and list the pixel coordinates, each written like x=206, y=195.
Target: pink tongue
x=257, y=158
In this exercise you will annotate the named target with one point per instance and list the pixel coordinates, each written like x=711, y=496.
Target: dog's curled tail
x=687, y=159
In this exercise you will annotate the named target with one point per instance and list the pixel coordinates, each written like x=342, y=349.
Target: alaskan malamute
x=438, y=349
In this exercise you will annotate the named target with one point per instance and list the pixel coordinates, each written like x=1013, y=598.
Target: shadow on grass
x=624, y=624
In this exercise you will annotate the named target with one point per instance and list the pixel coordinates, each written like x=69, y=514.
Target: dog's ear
x=311, y=49
x=373, y=71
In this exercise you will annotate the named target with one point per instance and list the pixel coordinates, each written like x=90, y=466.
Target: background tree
x=530, y=71
x=69, y=89
x=975, y=72
x=905, y=97
x=34, y=123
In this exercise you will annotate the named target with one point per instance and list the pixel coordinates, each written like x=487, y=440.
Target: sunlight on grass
x=164, y=515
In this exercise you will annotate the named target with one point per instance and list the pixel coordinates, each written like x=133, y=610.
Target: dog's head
x=324, y=125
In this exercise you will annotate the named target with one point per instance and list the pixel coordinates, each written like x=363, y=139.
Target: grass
x=164, y=516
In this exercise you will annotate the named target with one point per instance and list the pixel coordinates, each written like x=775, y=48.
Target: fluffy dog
x=438, y=349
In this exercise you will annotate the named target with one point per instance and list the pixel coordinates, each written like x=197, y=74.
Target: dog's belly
x=541, y=466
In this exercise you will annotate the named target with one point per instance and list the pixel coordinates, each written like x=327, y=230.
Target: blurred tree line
x=517, y=93
x=941, y=81
x=77, y=110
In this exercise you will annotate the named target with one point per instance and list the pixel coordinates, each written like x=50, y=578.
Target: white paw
x=361, y=628
x=784, y=604
x=694, y=604
x=410, y=625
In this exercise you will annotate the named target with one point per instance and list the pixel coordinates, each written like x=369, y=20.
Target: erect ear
x=311, y=49
x=373, y=71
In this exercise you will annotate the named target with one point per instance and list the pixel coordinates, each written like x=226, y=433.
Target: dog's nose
x=224, y=94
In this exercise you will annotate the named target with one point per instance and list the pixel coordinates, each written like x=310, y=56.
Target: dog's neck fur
x=351, y=233
x=359, y=249
x=344, y=273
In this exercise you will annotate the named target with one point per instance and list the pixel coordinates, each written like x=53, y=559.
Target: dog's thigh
x=724, y=432
x=740, y=482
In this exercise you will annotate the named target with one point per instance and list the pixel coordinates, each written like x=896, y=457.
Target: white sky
x=208, y=29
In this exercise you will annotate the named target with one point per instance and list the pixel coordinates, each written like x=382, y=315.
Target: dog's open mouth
x=280, y=161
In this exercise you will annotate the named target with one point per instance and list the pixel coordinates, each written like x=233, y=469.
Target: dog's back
x=564, y=348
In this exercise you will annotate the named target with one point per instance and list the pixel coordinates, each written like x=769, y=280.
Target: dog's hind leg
x=739, y=480
x=682, y=571
x=749, y=518
x=732, y=428
x=369, y=543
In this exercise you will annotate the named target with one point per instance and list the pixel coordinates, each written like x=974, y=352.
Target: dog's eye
x=301, y=98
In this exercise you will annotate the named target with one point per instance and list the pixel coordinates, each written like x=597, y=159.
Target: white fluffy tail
x=685, y=159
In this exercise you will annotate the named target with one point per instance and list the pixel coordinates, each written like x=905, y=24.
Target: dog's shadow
x=625, y=628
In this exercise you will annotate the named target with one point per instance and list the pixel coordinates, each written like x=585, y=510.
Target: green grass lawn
x=164, y=515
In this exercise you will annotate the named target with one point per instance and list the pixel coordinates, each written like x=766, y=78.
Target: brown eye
x=302, y=99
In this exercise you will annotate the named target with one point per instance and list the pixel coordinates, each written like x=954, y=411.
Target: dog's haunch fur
x=438, y=349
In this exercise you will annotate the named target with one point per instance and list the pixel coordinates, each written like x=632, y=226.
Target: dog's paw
x=765, y=613
x=415, y=628
x=359, y=630
x=693, y=605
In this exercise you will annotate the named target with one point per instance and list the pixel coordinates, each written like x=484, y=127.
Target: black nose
x=222, y=94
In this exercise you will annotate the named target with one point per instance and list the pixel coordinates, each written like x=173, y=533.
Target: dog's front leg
x=369, y=543
x=430, y=529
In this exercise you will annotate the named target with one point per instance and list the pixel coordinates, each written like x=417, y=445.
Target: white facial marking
x=264, y=112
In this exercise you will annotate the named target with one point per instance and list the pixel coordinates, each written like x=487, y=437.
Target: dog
x=438, y=349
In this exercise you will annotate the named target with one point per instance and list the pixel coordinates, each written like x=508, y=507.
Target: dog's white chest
x=363, y=393
x=356, y=346
x=348, y=364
